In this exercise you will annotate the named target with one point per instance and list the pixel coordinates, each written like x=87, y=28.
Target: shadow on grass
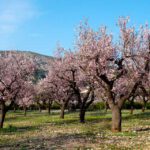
x=97, y=120
x=60, y=141
x=90, y=117
x=145, y=115
x=62, y=121
x=11, y=129
x=97, y=113
x=19, y=115
x=88, y=120
x=142, y=129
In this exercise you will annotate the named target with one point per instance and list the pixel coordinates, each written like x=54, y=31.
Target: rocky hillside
x=43, y=62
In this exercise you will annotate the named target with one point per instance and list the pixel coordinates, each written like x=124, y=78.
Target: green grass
x=42, y=131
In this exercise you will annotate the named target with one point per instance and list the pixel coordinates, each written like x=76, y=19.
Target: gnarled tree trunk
x=144, y=106
x=131, y=110
x=14, y=109
x=3, y=113
x=62, y=112
x=82, y=115
x=106, y=107
x=25, y=111
x=40, y=109
x=116, y=118
x=49, y=106
x=84, y=105
x=132, y=105
x=49, y=109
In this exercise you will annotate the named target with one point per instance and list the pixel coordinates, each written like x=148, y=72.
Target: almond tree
x=145, y=89
x=73, y=81
x=58, y=90
x=14, y=71
x=43, y=96
x=25, y=97
x=118, y=68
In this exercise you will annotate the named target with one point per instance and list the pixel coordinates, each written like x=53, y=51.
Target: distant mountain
x=43, y=62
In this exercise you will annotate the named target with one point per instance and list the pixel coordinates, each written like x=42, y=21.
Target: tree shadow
x=76, y=121
x=145, y=115
x=14, y=129
x=61, y=141
x=98, y=120
x=63, y=121
x=16, y=115
x=142, y=129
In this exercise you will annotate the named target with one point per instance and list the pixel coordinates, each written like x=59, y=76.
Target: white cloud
x=13, y=13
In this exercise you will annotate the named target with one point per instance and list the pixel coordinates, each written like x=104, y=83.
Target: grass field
x=41, y=131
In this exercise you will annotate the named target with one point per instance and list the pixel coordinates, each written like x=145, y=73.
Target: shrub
x=97, y=106
x=148, y=105
x=127, y=105
x=55, y=106
x=136, y=105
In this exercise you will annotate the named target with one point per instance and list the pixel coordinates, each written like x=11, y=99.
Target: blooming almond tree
x=144, y=88
x=43, y=96
x=14, y=71
x=25, y=97
x=74, y=81
x=118, y=68
x=58, y=90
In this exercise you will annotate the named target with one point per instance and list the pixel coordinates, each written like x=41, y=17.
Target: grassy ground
x=40, y=131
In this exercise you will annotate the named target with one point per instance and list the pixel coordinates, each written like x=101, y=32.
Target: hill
x=43, y=62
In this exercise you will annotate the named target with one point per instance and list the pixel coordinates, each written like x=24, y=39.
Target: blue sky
x=39, y=25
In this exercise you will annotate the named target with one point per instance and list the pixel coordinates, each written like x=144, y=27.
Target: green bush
x=55, y=106
x=97, y=106
x=127, y=105
x=136, y=105
x=148, y=105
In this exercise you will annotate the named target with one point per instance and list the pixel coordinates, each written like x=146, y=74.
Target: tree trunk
x=49, y=107
x=131, y=110
x=82, y=115
x=40, y=110
x=106, y=107
x=143, y=109
x=132, y=106
x=14, y=109
x=3, y=113
x=144, y=106
x=116, y=119
x=25, y=111
x=62, y=113
x=49, y=110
